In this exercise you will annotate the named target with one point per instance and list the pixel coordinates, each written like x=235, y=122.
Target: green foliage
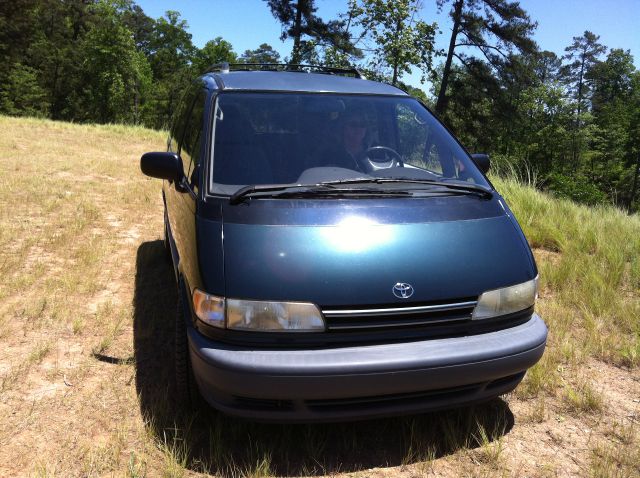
x=115, y=73
x=263, y=54
x=493, y=28
x=582, y=55
x=571, y=123
x=308, y=31
x=214, y=51
x=22, y=94
x=576, y=188
x=400, y=39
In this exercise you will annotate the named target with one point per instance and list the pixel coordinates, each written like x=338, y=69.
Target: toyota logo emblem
x=402, y=290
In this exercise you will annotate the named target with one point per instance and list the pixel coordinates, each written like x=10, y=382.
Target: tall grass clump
x=588, y=260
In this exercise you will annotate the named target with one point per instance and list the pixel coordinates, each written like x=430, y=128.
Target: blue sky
x=248, y=23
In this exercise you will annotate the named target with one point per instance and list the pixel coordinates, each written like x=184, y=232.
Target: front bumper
x=364, y=381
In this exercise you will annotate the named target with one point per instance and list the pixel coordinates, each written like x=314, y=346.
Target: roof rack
x=330, y=70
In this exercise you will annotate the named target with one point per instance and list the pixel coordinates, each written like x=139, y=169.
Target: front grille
x=377, y=326
x=398, y=317
x=404, y=399
x=424, y=399
x=251, y=403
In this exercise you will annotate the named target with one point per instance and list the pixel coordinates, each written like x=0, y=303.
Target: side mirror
x=482, y=161
x=162, y=165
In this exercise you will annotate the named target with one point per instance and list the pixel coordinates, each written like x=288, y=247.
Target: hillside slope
x=86, y=310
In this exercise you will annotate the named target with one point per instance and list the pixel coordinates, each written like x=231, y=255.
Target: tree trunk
x=297, y=27
x=441, y=104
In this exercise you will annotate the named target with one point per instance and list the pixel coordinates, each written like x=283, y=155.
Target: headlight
x=258, y=316
x=273, y=316
x=506, y=300
x=209, y=308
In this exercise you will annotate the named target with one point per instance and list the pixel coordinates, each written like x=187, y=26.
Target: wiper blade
x=342, y=192
x=460, y=186
x=245, y=191
x=307, y=190
x=329, y=188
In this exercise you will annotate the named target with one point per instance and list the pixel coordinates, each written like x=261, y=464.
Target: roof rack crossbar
x=227, y=67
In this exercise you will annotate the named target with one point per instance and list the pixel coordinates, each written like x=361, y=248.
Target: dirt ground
x=87, y=301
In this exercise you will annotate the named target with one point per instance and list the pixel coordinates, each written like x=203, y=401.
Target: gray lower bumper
x=364, y=381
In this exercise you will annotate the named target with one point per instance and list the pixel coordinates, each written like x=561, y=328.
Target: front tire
x=167, y=241
x=187, y=395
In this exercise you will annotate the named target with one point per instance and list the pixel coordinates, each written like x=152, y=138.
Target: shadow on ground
x=211, y=442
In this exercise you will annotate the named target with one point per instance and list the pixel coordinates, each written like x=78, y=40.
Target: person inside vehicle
x=348, y=152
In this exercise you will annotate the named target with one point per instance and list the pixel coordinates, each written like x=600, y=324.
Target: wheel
x=187, y=395
x=390, y=158
x=166, y=241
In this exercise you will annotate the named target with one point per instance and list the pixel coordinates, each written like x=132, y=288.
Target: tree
x=18, y=79
x=53, y=51
x=299, y=21
x=171, y=54
x=263, y=54
x=141, y=26
x=170, y=47
x=493, y=27
x=115, y=73
x=582, y=55
x=634, y=142
x=400, y=39
x=547, y=67
x=614, y=104
x=214, y=51
x=21, y=93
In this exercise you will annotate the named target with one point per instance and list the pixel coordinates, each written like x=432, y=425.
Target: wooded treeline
x=572, y=120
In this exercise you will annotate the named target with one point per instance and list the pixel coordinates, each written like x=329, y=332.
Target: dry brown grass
x=86, y=307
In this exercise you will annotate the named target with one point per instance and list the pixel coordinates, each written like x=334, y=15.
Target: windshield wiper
x=245, y=191
x=307, y=190
x=460, y=186
x=342, y=192
x=329, y=188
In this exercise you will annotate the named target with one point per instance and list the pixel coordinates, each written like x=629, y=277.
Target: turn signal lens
x=209, y=308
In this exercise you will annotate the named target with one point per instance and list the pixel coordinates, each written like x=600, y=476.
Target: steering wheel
x=391, y=158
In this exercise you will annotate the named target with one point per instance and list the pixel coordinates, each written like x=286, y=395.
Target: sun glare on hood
x=357, y=234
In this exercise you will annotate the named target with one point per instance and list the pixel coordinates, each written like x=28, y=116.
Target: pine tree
x=492, y=27
x=583, y=54
x=299, y=21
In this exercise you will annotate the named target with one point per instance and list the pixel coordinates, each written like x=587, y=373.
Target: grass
x=86, y=307
x=619, y=454
x=587, y=259
x=583, y=398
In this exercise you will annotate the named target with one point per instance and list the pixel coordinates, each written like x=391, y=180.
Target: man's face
x=355, y=129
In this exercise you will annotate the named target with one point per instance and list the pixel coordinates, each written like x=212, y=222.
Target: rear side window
x=178, y=121
x=190, y=145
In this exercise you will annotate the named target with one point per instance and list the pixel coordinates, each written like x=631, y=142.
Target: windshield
x=285, y=138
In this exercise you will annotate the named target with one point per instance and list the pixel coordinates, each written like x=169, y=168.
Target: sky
x=248, y=23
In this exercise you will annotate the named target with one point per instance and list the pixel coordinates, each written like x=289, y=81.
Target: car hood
x=335, y=253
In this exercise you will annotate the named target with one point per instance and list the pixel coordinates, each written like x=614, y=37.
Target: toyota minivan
x=339, y=255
